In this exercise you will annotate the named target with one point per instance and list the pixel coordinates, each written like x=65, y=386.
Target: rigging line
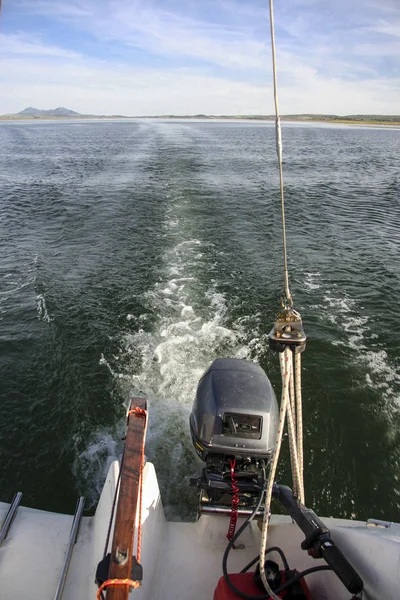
x=289, y=299
x=286, y=370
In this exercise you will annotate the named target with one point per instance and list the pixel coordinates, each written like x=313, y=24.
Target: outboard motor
x=233, y=426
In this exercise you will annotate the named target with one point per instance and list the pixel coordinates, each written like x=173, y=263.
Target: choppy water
x=133, y=253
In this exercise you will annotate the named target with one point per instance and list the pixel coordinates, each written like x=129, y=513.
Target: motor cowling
x=233, y=422
x=235, y=411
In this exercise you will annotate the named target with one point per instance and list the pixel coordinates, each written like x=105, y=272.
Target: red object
x=245, y=583
x=242, y=581
x=235, y=501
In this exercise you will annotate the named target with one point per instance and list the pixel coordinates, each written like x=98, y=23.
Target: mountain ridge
x=60, y=111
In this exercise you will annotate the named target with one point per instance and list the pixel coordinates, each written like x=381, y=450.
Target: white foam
x=187, y=312
x=41, y=307
x=166, y=363
x=312, y=281
x=171, y=358
x=91, y=466
x=382, y=373
x=165, y=360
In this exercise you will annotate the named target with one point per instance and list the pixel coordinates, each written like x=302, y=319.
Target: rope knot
x=138, y=412
x=113, y=582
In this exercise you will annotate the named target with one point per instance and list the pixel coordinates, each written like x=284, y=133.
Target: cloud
x=93, y=86
x=149, y=27
x=67, y=10
x=387, y=28
x=97, y=86
x=27, y=44
x=152, y=57
x=231, y=35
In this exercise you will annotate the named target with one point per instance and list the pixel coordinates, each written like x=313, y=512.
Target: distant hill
x=354, y=118
x=349, y=119
x=61, y=112
x=53, y=112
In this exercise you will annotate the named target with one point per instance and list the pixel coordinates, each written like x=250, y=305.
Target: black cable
x=287, y=583
x=233, y=540
x=272, y=549
x=295, y=578
x=247, y=567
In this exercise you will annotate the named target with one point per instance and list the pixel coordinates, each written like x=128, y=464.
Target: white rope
x=286, y=368
x=294, y=459
x=290, y=373
x=291, y=400
x=288, y=294
x=295, y=424
x=293, y=438
x=299, y=427
x=292, y=396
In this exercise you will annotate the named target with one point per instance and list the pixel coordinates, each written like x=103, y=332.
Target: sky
x=156, y=57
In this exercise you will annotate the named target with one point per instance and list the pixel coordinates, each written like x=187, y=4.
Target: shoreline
x=338, y=121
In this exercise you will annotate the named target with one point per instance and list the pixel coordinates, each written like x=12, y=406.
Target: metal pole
x=70, y=547
x=10, y=515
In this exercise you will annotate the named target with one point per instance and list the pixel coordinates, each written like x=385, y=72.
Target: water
x=135, y=252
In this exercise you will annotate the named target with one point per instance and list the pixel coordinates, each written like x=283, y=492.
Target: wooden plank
x=124, y=530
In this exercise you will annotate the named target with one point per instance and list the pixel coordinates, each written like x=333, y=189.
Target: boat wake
x=165, y=362
x=357, y=331
x=184, y=325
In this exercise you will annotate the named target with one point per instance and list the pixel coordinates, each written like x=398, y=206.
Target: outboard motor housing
x=234, y=421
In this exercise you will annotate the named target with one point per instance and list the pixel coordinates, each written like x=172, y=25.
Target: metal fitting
x=287, y=331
